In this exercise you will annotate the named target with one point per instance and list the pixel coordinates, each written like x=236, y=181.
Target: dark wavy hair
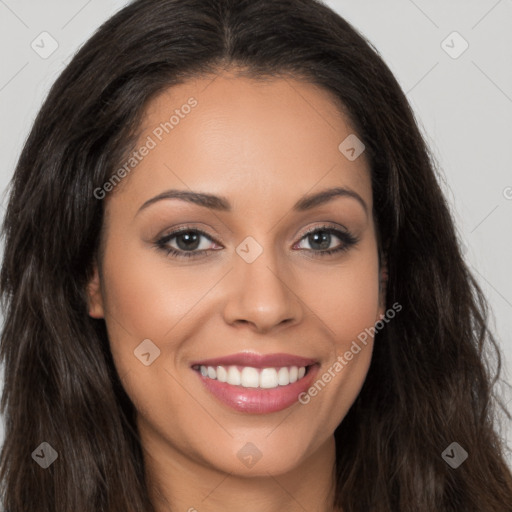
x=434, y=367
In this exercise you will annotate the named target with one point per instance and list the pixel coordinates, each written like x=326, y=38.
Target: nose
x=262, y=295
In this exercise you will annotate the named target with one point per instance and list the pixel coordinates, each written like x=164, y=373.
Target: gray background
x=463, y=106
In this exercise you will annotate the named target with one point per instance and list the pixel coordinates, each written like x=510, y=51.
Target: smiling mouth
x=255, y=383
x=256, y=390
x=250, y=377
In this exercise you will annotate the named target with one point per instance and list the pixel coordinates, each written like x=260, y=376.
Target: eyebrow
x=222, y=204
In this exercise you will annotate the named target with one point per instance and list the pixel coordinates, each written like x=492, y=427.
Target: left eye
x=188, y=242
x=322, y=238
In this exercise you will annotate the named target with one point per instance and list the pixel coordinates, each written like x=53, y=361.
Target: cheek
x=348, y=299
x=144, y=291
x=145, y=298
x=348, y=306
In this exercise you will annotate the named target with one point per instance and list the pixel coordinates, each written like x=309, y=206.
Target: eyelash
x=346, y=238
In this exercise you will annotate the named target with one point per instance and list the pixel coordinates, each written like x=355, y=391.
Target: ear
x=95, y=298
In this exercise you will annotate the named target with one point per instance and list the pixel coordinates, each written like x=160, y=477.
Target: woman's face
x=249, y=295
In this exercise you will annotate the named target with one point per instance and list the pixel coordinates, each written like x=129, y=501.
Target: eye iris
x=191, y=240
x=323, y=238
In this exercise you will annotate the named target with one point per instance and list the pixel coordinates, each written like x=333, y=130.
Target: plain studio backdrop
x=452, y=59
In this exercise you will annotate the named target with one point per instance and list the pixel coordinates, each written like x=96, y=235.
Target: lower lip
x=258, y=400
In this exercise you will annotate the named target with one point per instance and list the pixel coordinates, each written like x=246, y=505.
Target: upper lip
x=255, y=360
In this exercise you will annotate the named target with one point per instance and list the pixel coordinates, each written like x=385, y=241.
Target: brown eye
x=187, y=242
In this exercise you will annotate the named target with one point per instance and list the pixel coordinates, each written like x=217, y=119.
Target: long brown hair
x=431, y=378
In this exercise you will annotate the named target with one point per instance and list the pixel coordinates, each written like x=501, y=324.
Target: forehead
x=256, y=141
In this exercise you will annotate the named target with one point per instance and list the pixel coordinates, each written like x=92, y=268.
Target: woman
x=231, y=281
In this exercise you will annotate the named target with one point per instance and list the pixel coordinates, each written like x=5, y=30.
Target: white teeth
x=234, y=377
x=268, y=378
x=283, y=377
x=222, y=374
x=249, y=377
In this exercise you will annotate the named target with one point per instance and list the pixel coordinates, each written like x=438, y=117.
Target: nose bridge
x=261, y=294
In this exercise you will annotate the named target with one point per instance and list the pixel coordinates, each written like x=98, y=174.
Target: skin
x=263, y=146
